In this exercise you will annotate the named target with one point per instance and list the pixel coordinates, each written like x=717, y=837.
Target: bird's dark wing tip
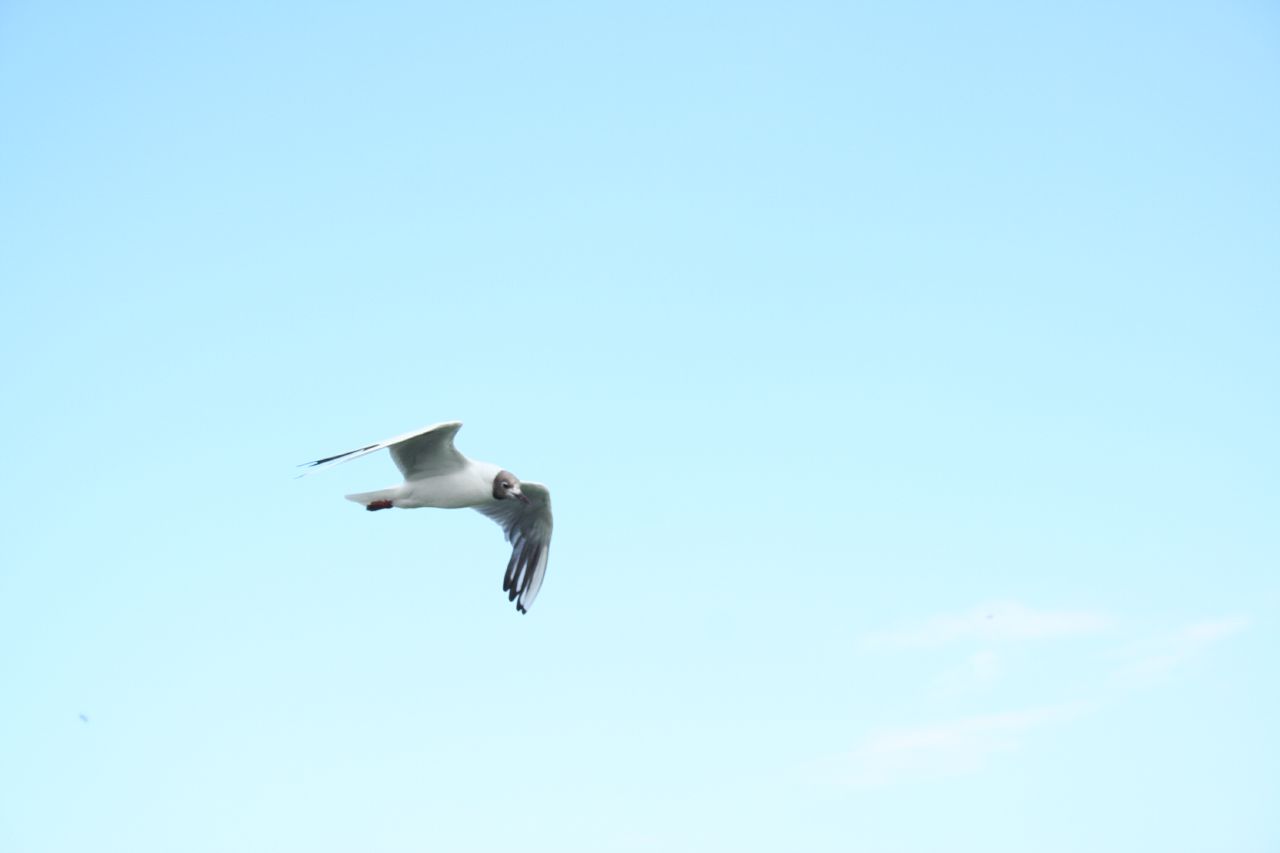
x=336, y=456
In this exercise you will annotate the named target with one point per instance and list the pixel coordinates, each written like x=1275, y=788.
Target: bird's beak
x=520, y=497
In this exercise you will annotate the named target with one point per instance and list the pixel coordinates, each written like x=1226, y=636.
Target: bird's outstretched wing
x=425, y=452
x=528, y=529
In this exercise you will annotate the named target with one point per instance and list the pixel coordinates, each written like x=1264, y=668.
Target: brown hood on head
x=503, y=484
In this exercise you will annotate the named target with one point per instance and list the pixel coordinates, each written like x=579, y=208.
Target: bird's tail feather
x=367, y=498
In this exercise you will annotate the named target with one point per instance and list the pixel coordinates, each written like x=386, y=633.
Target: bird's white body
x=471, y=486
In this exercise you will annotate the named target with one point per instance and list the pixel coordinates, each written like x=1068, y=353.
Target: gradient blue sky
x=906, y=376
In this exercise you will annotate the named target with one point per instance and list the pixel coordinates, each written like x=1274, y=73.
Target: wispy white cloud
x=967, y=744
x=993, y=621
x=1155, y=659
x=945, y=749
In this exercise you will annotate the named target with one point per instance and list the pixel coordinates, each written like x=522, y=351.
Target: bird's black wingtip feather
x=336, y=456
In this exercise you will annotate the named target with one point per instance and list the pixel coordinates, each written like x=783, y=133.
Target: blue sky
x=905, y=377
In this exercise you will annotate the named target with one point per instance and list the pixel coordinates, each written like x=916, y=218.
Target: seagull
x=437, y=475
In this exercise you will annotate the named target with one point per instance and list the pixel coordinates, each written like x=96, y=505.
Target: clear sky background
x=906, y=377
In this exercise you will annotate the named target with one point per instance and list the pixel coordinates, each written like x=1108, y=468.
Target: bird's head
x=507, y=485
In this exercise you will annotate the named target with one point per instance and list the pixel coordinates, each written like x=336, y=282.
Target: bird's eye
x=505, y=484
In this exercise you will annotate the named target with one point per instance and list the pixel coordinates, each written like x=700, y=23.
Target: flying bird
x=437, y=475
